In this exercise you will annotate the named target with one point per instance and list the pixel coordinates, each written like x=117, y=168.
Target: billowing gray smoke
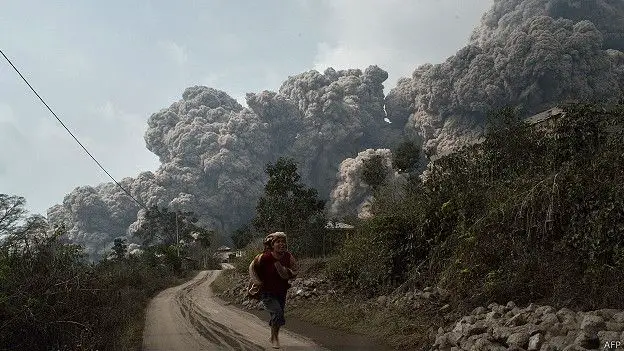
x=606, y=15
x=213, y=151
x=352, y=196
x=531, y=54
x=96, y=215
x=342, y=112
x=526, y=53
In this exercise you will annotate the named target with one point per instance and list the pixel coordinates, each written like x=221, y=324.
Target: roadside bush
x=363, y=263
x=374, y=258
x=42, y=287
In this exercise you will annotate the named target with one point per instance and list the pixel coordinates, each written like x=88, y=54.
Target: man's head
x=276, y=241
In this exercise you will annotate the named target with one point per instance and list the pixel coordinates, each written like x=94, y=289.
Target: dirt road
x=189, y=317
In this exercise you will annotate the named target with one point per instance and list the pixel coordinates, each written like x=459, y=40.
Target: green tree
x=39, y=274
x=177, y=234
x=375, y=171
x=120, y=245
x=11, y=212
x=289, y=205
x=405, y=157
x=161, y=226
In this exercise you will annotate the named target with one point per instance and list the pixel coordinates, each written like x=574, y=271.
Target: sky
x=105, y=67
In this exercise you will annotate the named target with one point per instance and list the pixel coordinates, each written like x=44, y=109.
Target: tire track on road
x=215, y=332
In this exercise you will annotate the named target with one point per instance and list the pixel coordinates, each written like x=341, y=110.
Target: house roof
x=224, y=248
x=554, y=112
x=338, y=225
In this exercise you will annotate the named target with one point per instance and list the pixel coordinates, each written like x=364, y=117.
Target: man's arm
x=253, y=275
x=290, y=272
x=281, y=270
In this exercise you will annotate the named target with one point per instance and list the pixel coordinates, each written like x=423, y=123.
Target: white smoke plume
x=342, y=112
x=531, y=54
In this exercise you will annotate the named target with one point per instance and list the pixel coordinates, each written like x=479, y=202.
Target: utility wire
x=70, y=133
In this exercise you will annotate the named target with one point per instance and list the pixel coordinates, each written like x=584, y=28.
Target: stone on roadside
x=518, y=339
x=535, y=342
x=586, y=340
x=619, y=318
x=592, y=324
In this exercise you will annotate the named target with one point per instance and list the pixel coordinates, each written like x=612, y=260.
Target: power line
x=70, y=133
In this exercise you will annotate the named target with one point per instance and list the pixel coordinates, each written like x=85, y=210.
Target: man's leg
x=280, y=320
x=274, y=336
x=276, y=311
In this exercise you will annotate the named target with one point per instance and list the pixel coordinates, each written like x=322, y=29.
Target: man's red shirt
x=272, y=282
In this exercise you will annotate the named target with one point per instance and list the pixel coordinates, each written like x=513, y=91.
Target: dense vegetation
x=53, y=298
x=533, y=213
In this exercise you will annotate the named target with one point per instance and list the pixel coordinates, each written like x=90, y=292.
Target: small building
x=224, y=253
x=545, y=120
x=338, y=226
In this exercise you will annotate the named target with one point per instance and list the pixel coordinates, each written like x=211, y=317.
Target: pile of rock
x=533, y=328
x=310, y=288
